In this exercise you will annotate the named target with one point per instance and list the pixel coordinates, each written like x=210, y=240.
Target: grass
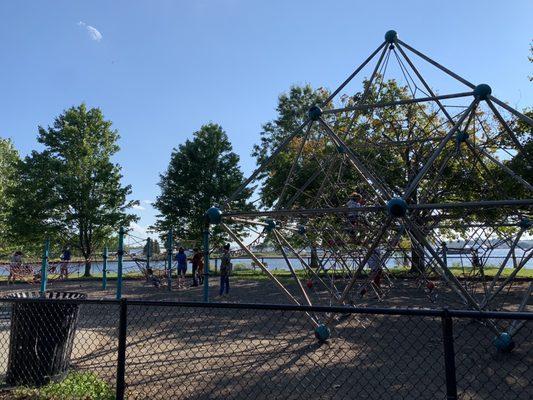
x=76, y=386
x=243, y=272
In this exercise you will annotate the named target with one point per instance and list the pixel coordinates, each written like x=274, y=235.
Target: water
x=454, y=260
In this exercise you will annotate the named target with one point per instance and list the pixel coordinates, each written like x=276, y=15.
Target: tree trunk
x=417, y=259
x=314, y=258
x=87, y=268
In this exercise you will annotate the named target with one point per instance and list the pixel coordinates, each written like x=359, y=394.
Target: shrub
x=76, y=386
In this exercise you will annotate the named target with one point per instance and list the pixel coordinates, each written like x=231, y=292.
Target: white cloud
x=138, y=230
x=94, y=34
x=138, y=207
x=149, y=202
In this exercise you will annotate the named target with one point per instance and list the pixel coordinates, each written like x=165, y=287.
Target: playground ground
x=187, y=352
x=403, y=293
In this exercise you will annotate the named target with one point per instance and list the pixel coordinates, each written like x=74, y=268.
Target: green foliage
x=154, y=244
x=9, y=158
x=76, y=386
x=71, y=191
x=202, y=172
x=394, y=143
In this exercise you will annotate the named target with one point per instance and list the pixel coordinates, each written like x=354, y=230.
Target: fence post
x=104, y=268
x=169, y=259
x=449, y=355
x=121, y=357
x=44, y=267
x=148, y=255
x=120, y=253
x=206, y=262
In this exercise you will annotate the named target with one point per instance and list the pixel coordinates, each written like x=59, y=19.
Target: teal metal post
x=44, y=267
x=148, y=253
x=120, y=254
x=444, y=254
x=169, y=260
x=104, y=268
x=206, y=263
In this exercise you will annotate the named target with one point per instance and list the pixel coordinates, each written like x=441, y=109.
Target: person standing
x=15, y=266
x=65, y=260
x=200, y=267
x=181, y=258
x=225, y=270
x=376, y=269
x=196, y=259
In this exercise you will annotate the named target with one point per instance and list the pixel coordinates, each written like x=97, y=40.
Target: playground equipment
x=409, y=153
x=132, y=257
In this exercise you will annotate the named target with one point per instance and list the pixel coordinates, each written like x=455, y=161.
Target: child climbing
x=355, y=219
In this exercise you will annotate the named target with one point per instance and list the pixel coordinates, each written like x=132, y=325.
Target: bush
x=76, y=386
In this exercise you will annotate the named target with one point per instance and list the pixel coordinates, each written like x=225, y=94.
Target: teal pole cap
x=213, y=216
x=482, y=91
x=461, y=136
x=271, y=225
x=525, y=223
x=322, y=333
x=314, y=113
x=397, y=207
x=391, y=36
x=504, y=342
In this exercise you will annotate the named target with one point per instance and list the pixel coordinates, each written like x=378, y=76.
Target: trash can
x=41, y=338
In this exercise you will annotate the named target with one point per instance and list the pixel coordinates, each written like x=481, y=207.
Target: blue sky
x=160, y=69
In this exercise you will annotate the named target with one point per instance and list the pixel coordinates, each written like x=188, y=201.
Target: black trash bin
x=41, y=339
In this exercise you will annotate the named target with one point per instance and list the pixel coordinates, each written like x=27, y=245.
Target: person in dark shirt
x=196, y=260
x=65, y=260
x=181, y=258
x=225, y=270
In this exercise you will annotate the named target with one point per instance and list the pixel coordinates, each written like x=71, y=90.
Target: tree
x=9, y=159
x=393, y=142
x=202, y=172
x=71, y=191
x=154, y=244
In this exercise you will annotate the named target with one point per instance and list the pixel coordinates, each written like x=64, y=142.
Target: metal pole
x=505, y=125
x=148, y=253
x=428, y=88
x=260, y=264
x=266, y=162
x=121, y=356
x=523, y=117
x=449, y=356
x=398, y=102
x=44, y=267
x=332, y=95
x=508, y=170
x=293, y=272
x=307, y=266
x=414, y=184
x=445, y=254
x=436, y=64
x=381, y=191
x=169, y=259
x=206, y=263
x=104, y=268
x=120, y=254
x=293, y=167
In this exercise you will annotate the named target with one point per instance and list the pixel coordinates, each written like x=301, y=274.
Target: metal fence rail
x=182, y=350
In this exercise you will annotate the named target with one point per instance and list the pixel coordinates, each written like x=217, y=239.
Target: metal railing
x=153, y=349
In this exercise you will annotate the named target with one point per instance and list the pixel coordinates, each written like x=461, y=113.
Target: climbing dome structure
x=393, y=175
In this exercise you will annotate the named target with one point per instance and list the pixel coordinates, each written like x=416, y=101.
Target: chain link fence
x=163, y=350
